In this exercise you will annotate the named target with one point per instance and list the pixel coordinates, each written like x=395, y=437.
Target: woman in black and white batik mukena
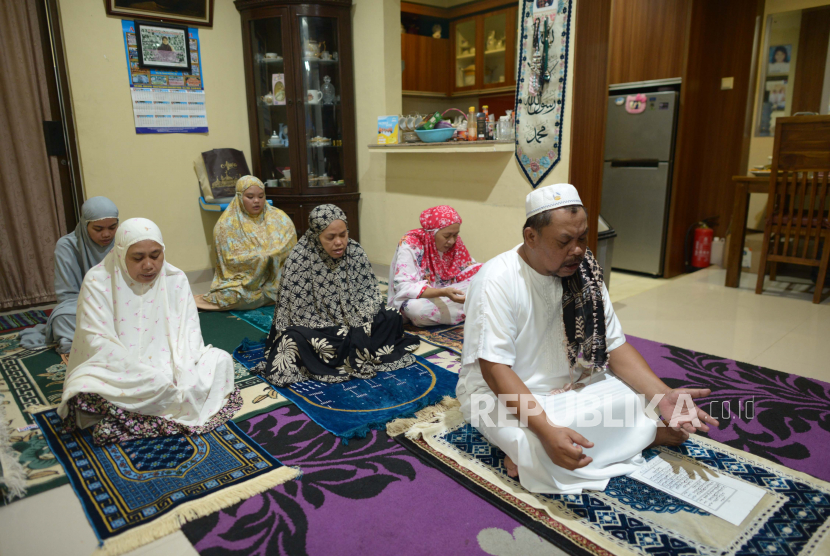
x=330, y=321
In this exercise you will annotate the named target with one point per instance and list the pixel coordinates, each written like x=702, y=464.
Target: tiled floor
x=781, y=330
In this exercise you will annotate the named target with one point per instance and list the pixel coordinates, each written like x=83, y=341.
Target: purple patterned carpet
x=790, y=423
x=371, y=496
x=374, y=497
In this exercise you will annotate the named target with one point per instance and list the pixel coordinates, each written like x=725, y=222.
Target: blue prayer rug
x=140, y=490
x=631, y=518
x=355, y=407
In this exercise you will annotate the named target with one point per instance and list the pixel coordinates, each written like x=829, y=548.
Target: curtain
x=31, y=206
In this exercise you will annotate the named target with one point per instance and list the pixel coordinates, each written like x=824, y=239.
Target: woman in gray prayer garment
x=75, y=254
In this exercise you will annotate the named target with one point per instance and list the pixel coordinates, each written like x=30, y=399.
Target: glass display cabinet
x=300, y=89
x=483, y=50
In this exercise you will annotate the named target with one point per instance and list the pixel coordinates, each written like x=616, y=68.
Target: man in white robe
x=561, y=433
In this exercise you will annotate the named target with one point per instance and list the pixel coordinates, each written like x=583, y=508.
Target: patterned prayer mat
x=140, y=490
x=368, y=497
x=261, y=318
x=24, y=319
x=21, y=389
x=787, y=420
x=631, y=518
x=355, y=407
x=34, y=378
x=450, y=337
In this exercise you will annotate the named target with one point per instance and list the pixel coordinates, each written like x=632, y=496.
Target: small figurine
x=492, y=44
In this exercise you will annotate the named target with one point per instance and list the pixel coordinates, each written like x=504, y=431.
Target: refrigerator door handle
x=634, y=163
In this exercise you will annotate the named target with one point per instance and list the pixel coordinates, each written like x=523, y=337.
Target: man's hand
x=678, y=409
x=454, y=294
x=564, y=447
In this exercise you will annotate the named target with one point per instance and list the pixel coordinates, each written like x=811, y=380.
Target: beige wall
x=152, y=175
x=488, y=190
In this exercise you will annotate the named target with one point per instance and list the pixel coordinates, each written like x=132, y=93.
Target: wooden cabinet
x=425, y=64
x=483, y=52
x=301, y=118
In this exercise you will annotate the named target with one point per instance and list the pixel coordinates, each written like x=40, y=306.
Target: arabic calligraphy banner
x=540, y=86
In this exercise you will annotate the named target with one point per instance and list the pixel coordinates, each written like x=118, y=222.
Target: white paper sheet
x=725, y=497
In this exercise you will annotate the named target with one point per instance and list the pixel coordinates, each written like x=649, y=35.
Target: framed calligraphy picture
x=541, y=84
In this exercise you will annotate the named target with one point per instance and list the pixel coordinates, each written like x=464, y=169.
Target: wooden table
x=744, y=185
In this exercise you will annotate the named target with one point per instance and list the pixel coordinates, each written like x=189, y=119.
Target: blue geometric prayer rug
x=353, y=408
x=140, y=490
x=449, y=337
x=632, y=518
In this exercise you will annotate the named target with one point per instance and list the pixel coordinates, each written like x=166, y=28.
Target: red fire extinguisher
x=702, y=251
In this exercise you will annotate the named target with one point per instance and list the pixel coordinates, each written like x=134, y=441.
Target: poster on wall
x=540, y=85
x=166, y=100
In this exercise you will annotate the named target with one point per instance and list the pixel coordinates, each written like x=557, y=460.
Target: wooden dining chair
x=797, y=230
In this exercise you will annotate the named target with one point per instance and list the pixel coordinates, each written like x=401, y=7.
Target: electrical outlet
x=727, y=83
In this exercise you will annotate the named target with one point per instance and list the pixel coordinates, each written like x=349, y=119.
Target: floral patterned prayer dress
x=330, y=323
x=418, y=265
x=250, y=252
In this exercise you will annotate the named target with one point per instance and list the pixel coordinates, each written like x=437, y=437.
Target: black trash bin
x=605, y=249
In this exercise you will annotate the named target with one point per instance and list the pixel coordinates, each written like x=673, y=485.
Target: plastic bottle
x=486, y=111
x=472, y=133
x=481, y=126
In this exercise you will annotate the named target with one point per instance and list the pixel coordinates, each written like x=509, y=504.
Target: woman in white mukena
x=138, y=367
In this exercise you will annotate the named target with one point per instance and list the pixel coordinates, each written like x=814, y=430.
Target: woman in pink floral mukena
x=431, y=270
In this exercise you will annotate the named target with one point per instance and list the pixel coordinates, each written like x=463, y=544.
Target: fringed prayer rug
x=23, y=320
x=353, y=408
x=33, y=379
x=630, y=518
x=23, y=388
x=450, y=337
x=141, y=490
x=368, y=497
x=781, y=417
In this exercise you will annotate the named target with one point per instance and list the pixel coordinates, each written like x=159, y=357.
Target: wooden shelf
x=448, y=147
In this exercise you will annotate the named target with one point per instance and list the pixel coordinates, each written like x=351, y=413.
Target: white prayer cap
x=551, y=197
